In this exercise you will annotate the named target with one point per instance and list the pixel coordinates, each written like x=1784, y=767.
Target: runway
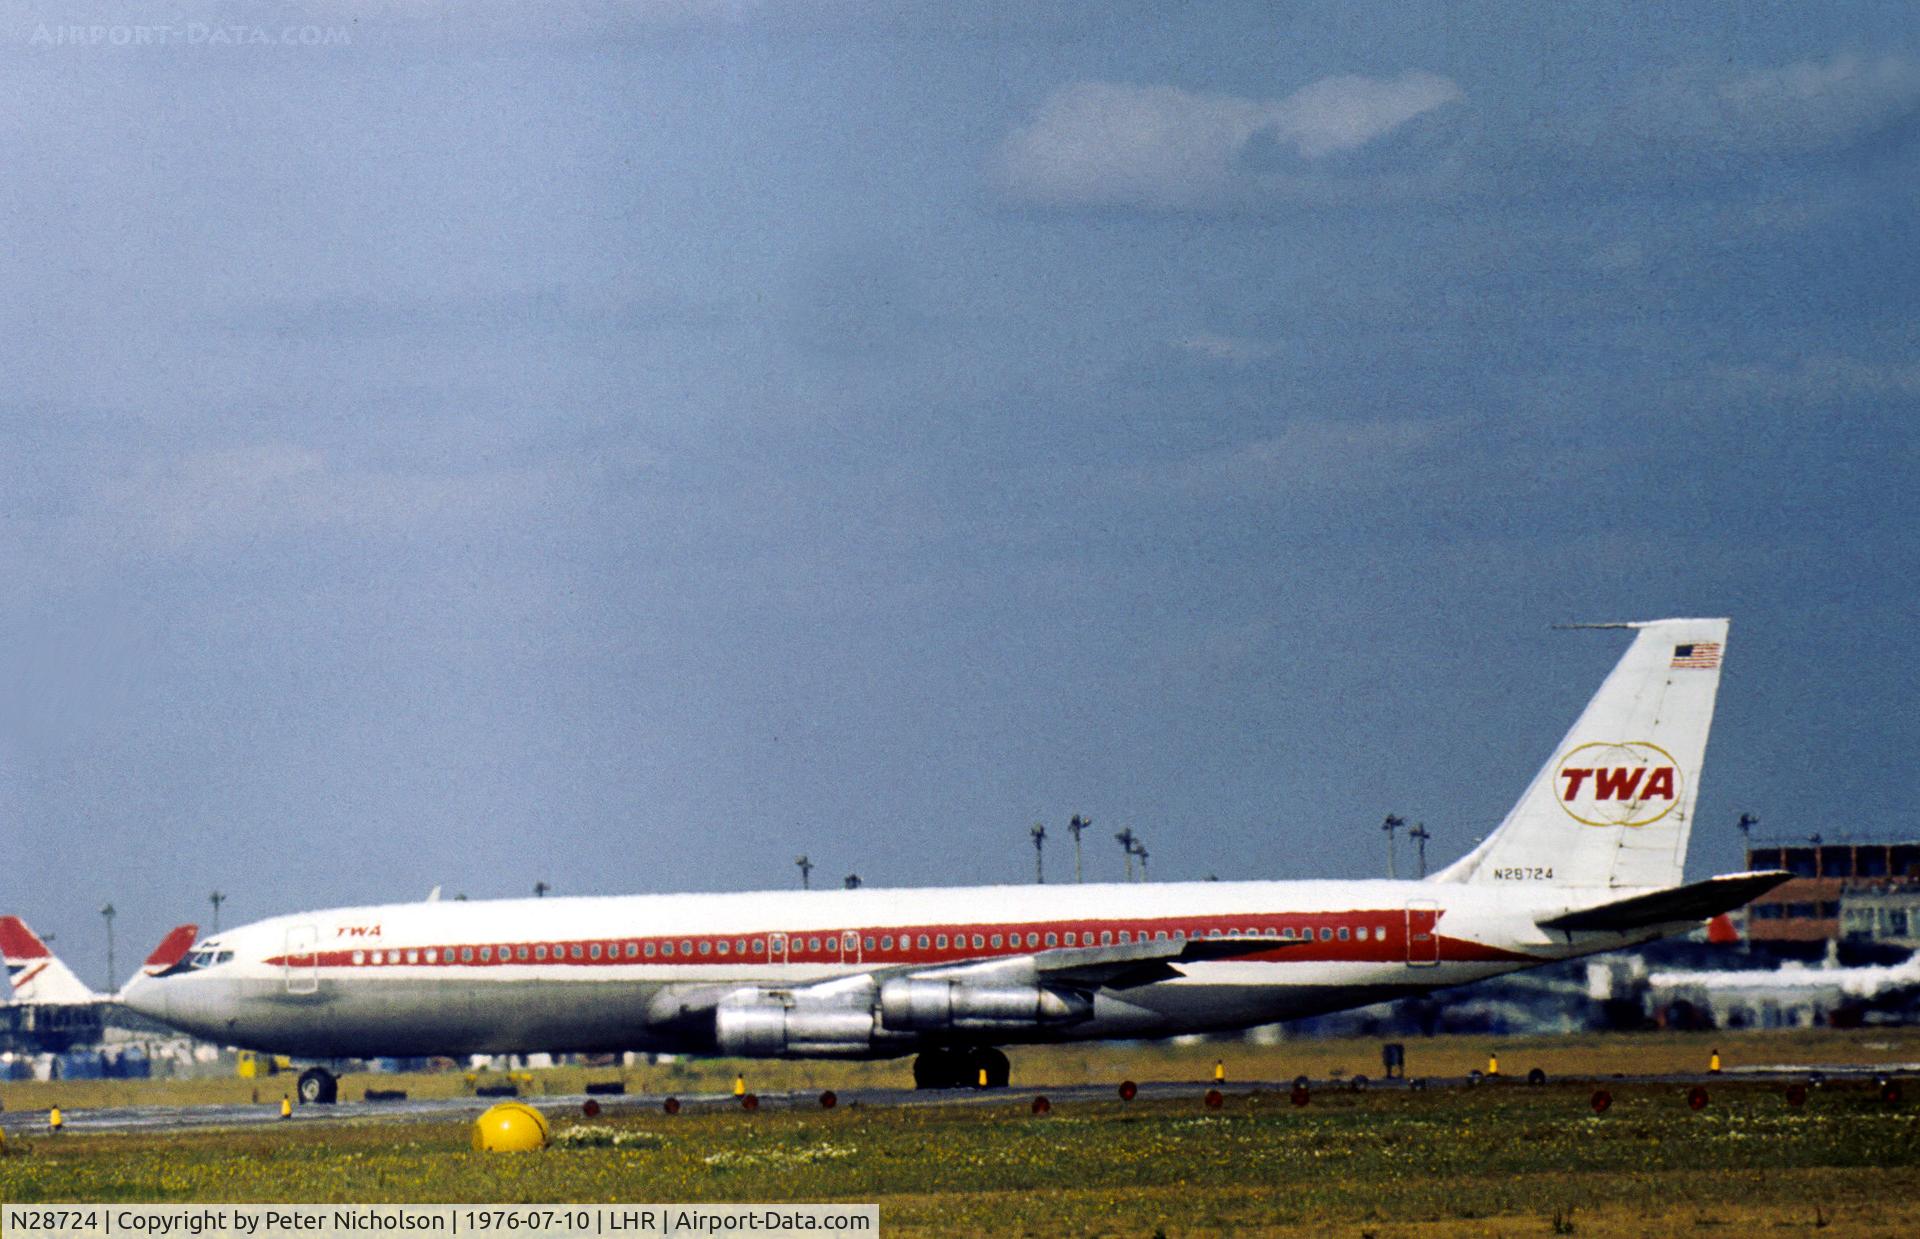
x=575, y=1107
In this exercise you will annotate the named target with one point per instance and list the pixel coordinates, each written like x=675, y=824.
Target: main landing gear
x=318, y=1087
x=962, y=1068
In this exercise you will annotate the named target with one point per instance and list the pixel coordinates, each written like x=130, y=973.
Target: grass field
x=1503, y=1158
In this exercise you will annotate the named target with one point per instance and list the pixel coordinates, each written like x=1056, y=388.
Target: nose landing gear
x=961, y=1068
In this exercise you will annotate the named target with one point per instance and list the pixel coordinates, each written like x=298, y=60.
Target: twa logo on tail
x=1617, y=783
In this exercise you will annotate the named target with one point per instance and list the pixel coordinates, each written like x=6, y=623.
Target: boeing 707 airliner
x=1590, y=859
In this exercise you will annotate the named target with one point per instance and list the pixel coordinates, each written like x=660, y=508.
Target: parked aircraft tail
x=1613, y=806
x=36, y=973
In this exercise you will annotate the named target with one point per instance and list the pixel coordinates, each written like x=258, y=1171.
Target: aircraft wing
x=1121, y=965
x=1125, y=965
x=1696, y=901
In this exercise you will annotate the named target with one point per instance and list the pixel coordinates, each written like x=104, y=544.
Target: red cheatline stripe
x=906, y=949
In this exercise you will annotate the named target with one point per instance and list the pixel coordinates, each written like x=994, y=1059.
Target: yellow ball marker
x=55, y=1121
x=286, y=1106
x=511, y=1127
x=1713, y=1062
x=1493, y=1064
x=740, y=1086
x=1219, y=1071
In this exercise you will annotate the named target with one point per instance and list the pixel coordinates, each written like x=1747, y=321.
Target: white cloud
x=1313, y=457
x=239, y=495
x=1162, y=148
x=1227, y=350
x=1815, y=380
x=1798, y=109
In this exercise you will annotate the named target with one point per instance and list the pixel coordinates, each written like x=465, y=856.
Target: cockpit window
x=206, y=955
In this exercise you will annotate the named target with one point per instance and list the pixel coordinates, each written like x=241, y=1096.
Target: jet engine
x=933, y=1004
x=760, y=1023
x=858, y=1021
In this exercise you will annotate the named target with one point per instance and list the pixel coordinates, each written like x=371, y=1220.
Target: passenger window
x=1072, y=938
x=923, y=942
x=978, y=942
x=940, y=941
x=649, y=950
x=686, y=946
x=633, y=949
x=725, y=946
x=995, y=941
x=759, y=945
x=1106, y=937
x=886, y=942
x=359, y=957
x=833, y=945
x=379, y=957
x=866, y=944
x=1033, y=939
x=1053, y=939
x=575, y=952
x=1125, y=936
x=431, y=956
x=595, y=952
x=666, y=948
x=486, y=954
x=1380, y=932
x=706, y=947
x=1326, y=935
x=466, y=954
x=1159, y=935
x=540, y=952
x=739, y=946
x=1344, y=933
x=1361, y=933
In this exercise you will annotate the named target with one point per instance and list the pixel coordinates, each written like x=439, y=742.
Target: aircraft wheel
x=994, y=1063
x=318, y=1087
x=939, y=1069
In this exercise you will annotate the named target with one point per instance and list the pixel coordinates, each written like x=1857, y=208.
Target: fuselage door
x=1423, y=939
x=849, y=947
x=303, y=959
x=776, y=948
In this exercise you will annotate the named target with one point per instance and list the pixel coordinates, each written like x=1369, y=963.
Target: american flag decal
x=1699, y=654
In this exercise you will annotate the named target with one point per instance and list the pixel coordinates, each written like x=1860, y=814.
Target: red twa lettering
x=1620, y=783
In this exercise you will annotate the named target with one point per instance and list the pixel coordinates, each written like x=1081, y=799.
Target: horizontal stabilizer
x=1696, y=901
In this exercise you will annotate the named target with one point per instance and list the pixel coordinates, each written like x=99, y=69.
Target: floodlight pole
x=1074, y=828
x=1420, y=836
x=1039, y=833
x=1394, y=822
x=107, y=913
x=806, y=872
x=216, y=899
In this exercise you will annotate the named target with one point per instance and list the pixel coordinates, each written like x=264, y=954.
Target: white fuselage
x=647, y=972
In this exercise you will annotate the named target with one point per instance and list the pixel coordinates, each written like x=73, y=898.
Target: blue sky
x=630, y=446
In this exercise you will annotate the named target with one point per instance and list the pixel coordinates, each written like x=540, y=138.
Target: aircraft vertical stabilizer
x=36, y=974
x=1613, y=806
